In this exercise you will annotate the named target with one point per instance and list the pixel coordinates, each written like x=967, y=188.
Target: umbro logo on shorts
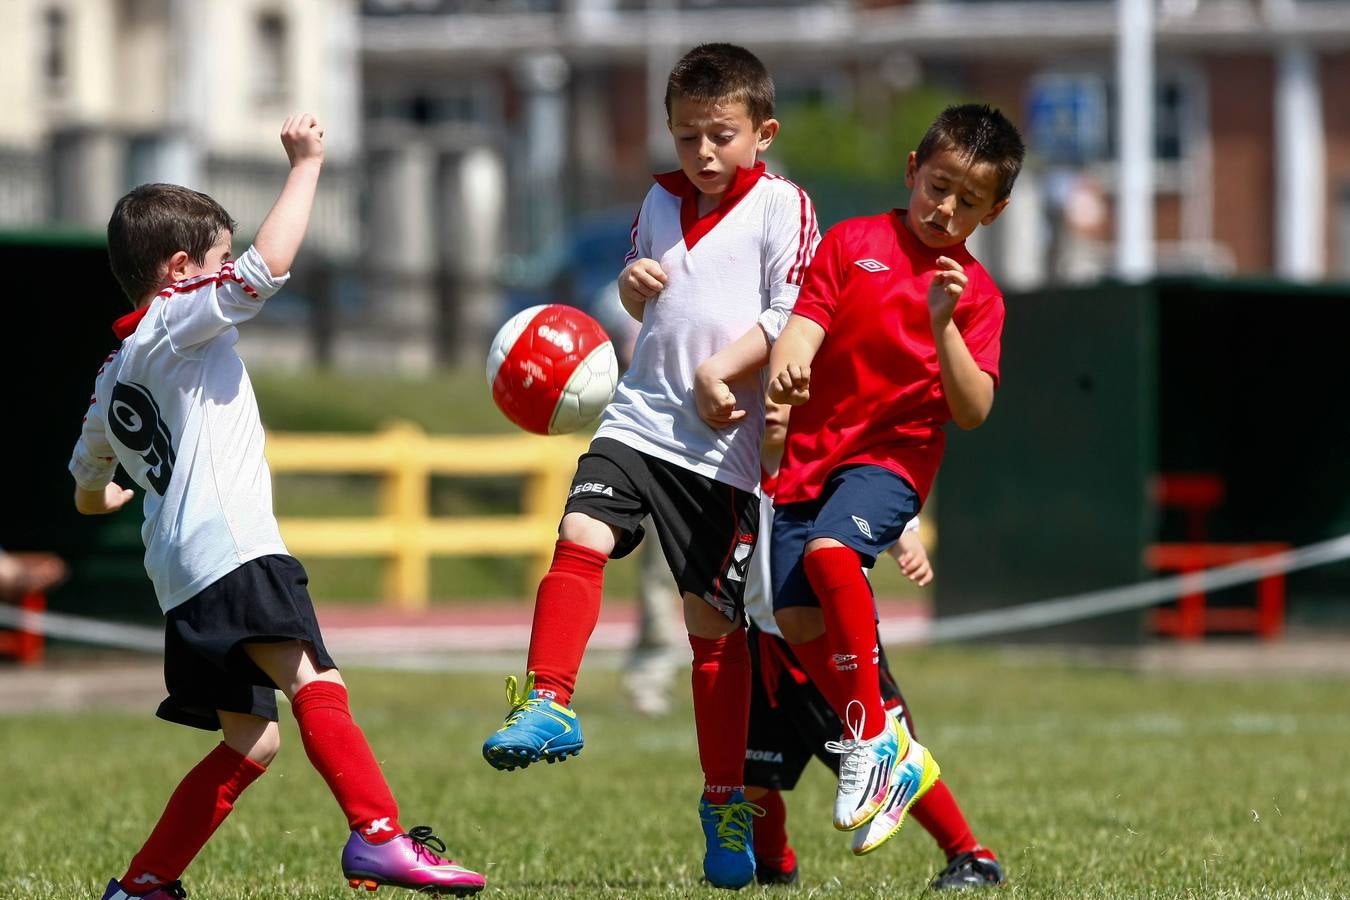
x=863, y=526
x=592, y=487
x=871, y=265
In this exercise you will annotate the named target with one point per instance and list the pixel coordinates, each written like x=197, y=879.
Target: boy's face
x=950, y=197
x=713, y=139
x=181, y=265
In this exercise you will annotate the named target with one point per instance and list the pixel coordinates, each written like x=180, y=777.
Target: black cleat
x=768, y=874
x=966, y=870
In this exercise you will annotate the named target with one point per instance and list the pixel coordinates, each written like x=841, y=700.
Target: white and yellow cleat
x=917, y=772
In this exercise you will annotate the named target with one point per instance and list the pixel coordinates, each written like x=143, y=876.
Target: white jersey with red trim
x=739, y=265
x=175, y=407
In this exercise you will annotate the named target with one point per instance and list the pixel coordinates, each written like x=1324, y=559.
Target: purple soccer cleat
x=408, y=861
x=171, y=891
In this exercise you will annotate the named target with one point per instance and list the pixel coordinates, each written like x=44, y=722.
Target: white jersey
x=758, y=584
x=174, y=406
x=739, y=265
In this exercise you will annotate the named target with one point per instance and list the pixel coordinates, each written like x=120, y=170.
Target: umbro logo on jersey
x=863, y=526
x=592, y=487
x=871, y=265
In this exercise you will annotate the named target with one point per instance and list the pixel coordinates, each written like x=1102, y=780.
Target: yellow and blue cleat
x=728, y=828
x=536, y=728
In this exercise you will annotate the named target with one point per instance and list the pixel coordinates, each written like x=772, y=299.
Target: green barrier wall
x=1103, y=387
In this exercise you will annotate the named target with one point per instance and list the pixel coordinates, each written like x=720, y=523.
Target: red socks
x=201, y=802
x=770, y=834
x=339, y=752
x=721, y=681
x=938, y=813
x=566, y=608
x=850, y=622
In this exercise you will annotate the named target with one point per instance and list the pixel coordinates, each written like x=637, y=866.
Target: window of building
x=55, y=50
x=270, y=71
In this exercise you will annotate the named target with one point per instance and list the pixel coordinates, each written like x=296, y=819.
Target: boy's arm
x=92, y=465
x=642, y=278
x=280, y=234
x=911, y=555
x=716, y=403
x=790, y=360
x=968, y=388
x=235, y=294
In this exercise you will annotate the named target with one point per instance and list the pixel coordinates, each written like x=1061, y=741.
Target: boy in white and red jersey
x=719, y=250
x=896, y=332
x=174, y=407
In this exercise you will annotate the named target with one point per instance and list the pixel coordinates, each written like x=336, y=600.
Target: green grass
x=1089, y=782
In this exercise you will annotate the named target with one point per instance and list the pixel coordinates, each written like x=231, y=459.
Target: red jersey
x=876, y=389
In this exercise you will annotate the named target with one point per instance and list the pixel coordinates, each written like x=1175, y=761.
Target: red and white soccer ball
x=552, y=369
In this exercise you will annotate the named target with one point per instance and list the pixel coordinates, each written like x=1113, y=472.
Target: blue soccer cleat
x=729, y=861
x=536, y=728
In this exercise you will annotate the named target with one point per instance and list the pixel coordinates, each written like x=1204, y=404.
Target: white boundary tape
x=1041, y=614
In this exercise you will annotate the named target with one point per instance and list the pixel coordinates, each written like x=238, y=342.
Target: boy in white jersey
x=719, y=251
x=791, y=721
x=174, y=407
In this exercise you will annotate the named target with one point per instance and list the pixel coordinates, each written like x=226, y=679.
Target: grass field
x=1089, y=782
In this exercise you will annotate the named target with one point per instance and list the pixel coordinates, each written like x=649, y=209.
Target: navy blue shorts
x=863, y=507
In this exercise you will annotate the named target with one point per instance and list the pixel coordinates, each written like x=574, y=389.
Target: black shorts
x=707, y=528
x=789, y=718
x=205, y=666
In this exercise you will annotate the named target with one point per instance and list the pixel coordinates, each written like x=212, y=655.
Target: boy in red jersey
x=174, y=407
x=719, y=251
x=896, y=332
x=791, y=721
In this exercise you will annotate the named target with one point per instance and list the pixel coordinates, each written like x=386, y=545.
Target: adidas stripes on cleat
x=535, y=728
x=866, y=770
x=917, y=772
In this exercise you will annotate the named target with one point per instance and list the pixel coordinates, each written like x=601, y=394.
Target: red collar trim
x=125, y=327
x=692, y=226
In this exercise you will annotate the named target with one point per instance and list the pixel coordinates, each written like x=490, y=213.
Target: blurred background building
x=488, y=154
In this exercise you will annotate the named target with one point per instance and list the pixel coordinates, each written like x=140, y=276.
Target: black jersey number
x=136, y=422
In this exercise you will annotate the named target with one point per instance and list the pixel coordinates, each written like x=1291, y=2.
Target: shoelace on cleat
x=851, y=769
x=174, y=889
x=734, y=822
x=518, y=700
x=428, y=844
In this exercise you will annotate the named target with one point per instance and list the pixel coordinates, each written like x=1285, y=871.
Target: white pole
x=1300, y=167
x=1134, y=129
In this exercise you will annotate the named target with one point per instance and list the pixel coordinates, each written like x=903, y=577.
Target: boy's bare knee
x=753, y=792
x=800, y=624
x=251, y=736
x=579, y=528
x=705, y=621
x=821, y=544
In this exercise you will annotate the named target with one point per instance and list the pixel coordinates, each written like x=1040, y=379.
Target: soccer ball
x=552, y=369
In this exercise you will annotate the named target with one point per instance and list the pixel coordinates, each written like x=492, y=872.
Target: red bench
x=1192, y=619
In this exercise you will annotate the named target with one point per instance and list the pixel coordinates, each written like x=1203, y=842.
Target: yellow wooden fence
x=404, y=532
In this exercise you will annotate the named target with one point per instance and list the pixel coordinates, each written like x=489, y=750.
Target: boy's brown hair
x=981, y=134
x=153, y=222
x=712, y=73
